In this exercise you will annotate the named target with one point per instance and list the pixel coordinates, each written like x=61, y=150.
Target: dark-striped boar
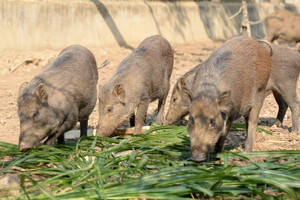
x=231, y=83
x=141, y=78
x=62, y=94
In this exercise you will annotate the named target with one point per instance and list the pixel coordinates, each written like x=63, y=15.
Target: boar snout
x=199, y=153
x=104, y=132
x=25, y=146
x=28, y=139
x=173, y=117
x=199, y=157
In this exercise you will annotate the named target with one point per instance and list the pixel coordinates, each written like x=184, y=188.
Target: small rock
x=9, y=93
x=242, y=137
x=9, y=181
x=4, y=71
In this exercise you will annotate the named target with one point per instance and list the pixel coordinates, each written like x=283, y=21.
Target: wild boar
x=285, y=25
x=63, y=93
x=181, y=97
x=231, y=83
x=141, y=78
x=283, y=83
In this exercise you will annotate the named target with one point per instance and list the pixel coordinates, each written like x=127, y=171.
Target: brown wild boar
x=141, y=78
x=285, y=25
x=62, y=94
x=283, y=83
x=181, y=97
x=231, y=83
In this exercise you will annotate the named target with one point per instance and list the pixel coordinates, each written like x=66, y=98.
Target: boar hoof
x=277, y=123
x=294, y=132
x=248, y=148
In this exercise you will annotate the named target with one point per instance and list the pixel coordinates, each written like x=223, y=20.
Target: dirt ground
x=17, y=67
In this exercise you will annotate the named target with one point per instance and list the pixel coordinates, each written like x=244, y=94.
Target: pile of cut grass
x=154, y=165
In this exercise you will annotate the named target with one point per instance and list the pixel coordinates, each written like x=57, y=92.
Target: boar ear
x=182, y=87
x=22, y=88
x=224, y=104
x=120, y=93
x=224, y=98
x=42, y=93
x=188, y=93
x=181, y=84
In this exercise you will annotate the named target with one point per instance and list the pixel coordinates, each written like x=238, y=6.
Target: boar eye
x=174, y=100
x=211, y=122
x=110, y=109
x=35, y=115
x=191, y=120
x=223, y=115
x=190, y=123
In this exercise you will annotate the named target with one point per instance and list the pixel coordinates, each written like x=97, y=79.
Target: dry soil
x=17, y=67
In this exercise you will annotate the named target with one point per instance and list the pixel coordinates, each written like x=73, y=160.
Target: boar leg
x=282, y=108
x=61, y=139
x=141, y=113
x=293, y=103
x=51, y=139
x=83, y=127
x=294, y=106
x=288, y=95
x=132, y=120
x=219, y=147
x=160, y=108
x=251, y=122
x=67, y=125
x=298, y=46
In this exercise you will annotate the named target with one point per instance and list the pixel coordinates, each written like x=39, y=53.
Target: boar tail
x=267, y=43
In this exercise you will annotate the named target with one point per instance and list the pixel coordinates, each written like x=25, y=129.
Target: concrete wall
x=39, y=24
